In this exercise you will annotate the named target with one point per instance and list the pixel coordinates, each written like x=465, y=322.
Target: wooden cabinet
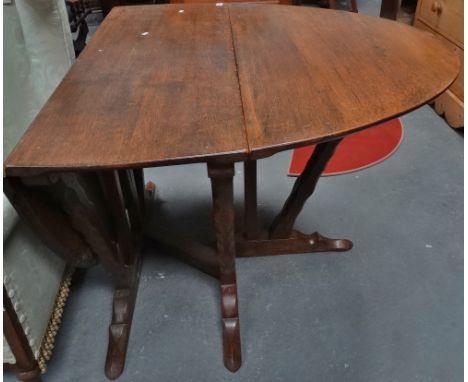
x=445, y=19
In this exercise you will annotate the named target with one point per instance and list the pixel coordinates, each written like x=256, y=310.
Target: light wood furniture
x=214, y=84
x=444, y=18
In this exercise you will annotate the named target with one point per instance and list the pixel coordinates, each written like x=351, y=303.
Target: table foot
x=231, y=331
x=297, y=242
x=119, y=329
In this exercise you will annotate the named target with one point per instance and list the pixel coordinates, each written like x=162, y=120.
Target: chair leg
x=26, y=367
x=29, y=376
x=223, y=215
x=354, y=7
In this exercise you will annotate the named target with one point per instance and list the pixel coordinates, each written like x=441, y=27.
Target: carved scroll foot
x=297, y=242
x=231, y=331
x=119, y=329
x=320, y=243
x=117, y=350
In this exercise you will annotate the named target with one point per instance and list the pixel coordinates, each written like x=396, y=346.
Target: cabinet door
x=444, y=16
x=457, y=86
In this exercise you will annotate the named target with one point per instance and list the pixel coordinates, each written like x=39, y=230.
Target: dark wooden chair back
x=287, y=2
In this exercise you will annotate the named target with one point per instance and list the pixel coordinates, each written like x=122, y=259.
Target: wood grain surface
x=169, y=84
x=315, y=75
x=153, y=86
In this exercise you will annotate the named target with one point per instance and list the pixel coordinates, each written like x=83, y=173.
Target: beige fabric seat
x=38, y=51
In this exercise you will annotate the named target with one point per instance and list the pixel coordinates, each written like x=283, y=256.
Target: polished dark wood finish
x=34, y=208
x=223, y=217
x=215, y=71
x=131, y=196
x=280, y=238
x=97, y=206
x=389, y=9
x=354, y=7
x=126, y=200
x=214, y=84
x=129, y=93
x=192, y=252
x=141, y=188
x=122, y=199
x=119, y=329
x=80, y=198
x=250, y=241
x=296, y=242
x=107, y=5
x=26, y=367
x=287, y=2
x=250, y=200
x=292, y=95
x=303, y=188
x=86, y=221
x=113, y=191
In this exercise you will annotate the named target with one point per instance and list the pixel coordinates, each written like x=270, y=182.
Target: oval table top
x=169, y=84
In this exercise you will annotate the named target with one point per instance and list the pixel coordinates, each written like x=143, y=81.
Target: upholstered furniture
x=38, y=50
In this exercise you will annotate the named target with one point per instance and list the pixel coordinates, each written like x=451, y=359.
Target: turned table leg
x=223, y=215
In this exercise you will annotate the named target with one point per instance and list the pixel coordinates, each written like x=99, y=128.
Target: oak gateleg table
x=216, y=84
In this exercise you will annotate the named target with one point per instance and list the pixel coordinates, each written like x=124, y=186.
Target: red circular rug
x=357, y=151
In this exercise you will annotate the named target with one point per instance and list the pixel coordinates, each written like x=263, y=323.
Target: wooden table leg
x=106, y=209
x=250, y=200
x=122, y=314
x=303, y=188
x=126, y=281
x=140, y=187
x=223, y=215
x=131, y=196
x=281, y=238
x=389, y=9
